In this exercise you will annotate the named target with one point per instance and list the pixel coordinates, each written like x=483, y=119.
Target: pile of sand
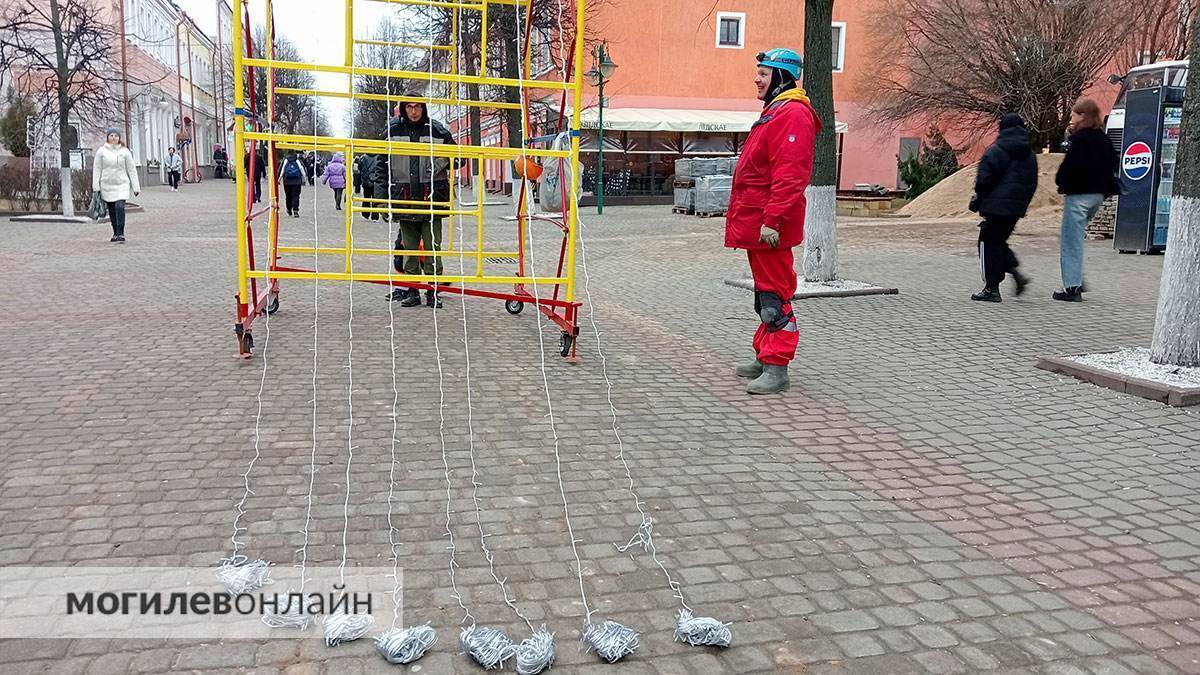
x=949, y=198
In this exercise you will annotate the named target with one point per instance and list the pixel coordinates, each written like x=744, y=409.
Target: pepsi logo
x=1137, y=161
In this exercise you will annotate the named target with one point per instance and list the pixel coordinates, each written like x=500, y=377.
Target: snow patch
x=805, y=286
x=1135, y=362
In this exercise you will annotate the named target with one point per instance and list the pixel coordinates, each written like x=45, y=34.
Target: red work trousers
x=773, y=272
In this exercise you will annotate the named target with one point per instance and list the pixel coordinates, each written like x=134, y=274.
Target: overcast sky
x=317, y=28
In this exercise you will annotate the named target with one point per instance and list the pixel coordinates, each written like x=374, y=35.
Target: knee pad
x=770, y=311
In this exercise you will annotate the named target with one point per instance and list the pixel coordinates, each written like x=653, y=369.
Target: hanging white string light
x=611, y=640
x=237, y=573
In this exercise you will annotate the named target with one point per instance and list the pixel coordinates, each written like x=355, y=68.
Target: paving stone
x=895, y=511
x=932, y=636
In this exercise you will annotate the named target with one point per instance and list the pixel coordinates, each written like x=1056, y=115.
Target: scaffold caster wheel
x=514, y=307
x=245, y=345
x=272, y=303
x=565, y=343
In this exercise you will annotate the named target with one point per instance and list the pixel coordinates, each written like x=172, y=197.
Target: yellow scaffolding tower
x=555, y=296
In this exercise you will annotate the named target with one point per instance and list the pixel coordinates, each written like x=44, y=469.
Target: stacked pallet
x=703, y=184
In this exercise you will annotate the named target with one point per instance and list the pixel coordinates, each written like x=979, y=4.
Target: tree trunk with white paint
x=820, y=218
x=820, y=233
x=1177, y=325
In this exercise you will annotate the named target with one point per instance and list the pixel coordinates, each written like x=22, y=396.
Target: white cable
x=696, y=631
x=525, y=197
x=475, y=484
x=237, y=573
x=387, y=226
x=645, y=532
x=312, y=459
x=455, y=593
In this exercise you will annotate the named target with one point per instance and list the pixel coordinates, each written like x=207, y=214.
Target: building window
x=731, y=30
x=839, y=46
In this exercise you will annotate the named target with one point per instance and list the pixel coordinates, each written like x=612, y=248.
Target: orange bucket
x=527, y=168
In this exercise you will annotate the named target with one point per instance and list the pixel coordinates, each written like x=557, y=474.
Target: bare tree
x=820, y=222
x=1177, y=325
x=1161, y=31
x=368, y=118
x=293, y=113
x=550, y=23
x=965, y=63
x=62, y=52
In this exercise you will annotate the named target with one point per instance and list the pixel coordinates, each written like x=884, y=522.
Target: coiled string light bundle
x=405, y=645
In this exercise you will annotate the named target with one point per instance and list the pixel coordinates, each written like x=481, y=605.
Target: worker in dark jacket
x=1004, y=186
x=1086, y=176
x=418, y=177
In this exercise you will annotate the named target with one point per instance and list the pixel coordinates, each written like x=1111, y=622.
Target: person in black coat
x=309, y=160
x=1004, y=186
x=416, y=178
x=1086, y=176
x=364, y=181
x=260, y=170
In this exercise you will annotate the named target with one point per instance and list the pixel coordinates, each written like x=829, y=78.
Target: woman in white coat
x=114, y=176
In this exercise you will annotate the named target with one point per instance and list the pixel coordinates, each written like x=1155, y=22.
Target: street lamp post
x=600, y=73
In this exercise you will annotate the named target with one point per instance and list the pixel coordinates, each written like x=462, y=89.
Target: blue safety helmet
x=783, y=59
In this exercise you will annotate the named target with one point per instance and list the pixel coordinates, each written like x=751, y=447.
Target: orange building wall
x=667, y=58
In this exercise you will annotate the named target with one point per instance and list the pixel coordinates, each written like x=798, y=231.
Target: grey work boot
x=750, y=369
x=774, y=380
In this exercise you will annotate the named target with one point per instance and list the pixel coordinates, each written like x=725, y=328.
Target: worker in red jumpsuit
x=766, y=212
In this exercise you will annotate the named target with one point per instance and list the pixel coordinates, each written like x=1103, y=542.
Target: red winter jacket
x=772, y=174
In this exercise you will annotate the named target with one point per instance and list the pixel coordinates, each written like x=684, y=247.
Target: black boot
x=1022, y=282
x=397, y=294
x=1072, y=294
x=987, y=295
x=432, y=300
x=412, y=298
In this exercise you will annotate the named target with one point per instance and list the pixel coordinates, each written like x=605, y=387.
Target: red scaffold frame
x=552, y=296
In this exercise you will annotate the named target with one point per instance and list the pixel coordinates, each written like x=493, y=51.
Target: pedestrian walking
x=114, y=176
x=293, y=177
x=364, y=181
x=335, y=177
x=310, y=166
x=1086, y=176
x=1004, y=186
x=174, y=166
x=766, y=212
x=259, y=172
x=416, y=178
x=220, y=162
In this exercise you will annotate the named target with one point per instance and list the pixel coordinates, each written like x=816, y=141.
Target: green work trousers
x=417, y=233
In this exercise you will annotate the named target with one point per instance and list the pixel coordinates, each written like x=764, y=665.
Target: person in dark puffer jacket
x=1086, y=176
x=415, y=178
x=1004, y=186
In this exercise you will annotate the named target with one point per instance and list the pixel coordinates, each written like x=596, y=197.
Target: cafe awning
x=677, y=120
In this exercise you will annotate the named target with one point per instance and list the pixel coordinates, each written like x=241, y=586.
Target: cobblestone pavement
x=923, y=501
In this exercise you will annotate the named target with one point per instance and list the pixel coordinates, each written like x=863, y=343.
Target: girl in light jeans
x=1087, y=175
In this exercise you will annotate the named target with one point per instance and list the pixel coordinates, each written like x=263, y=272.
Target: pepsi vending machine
x=1151, y=136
